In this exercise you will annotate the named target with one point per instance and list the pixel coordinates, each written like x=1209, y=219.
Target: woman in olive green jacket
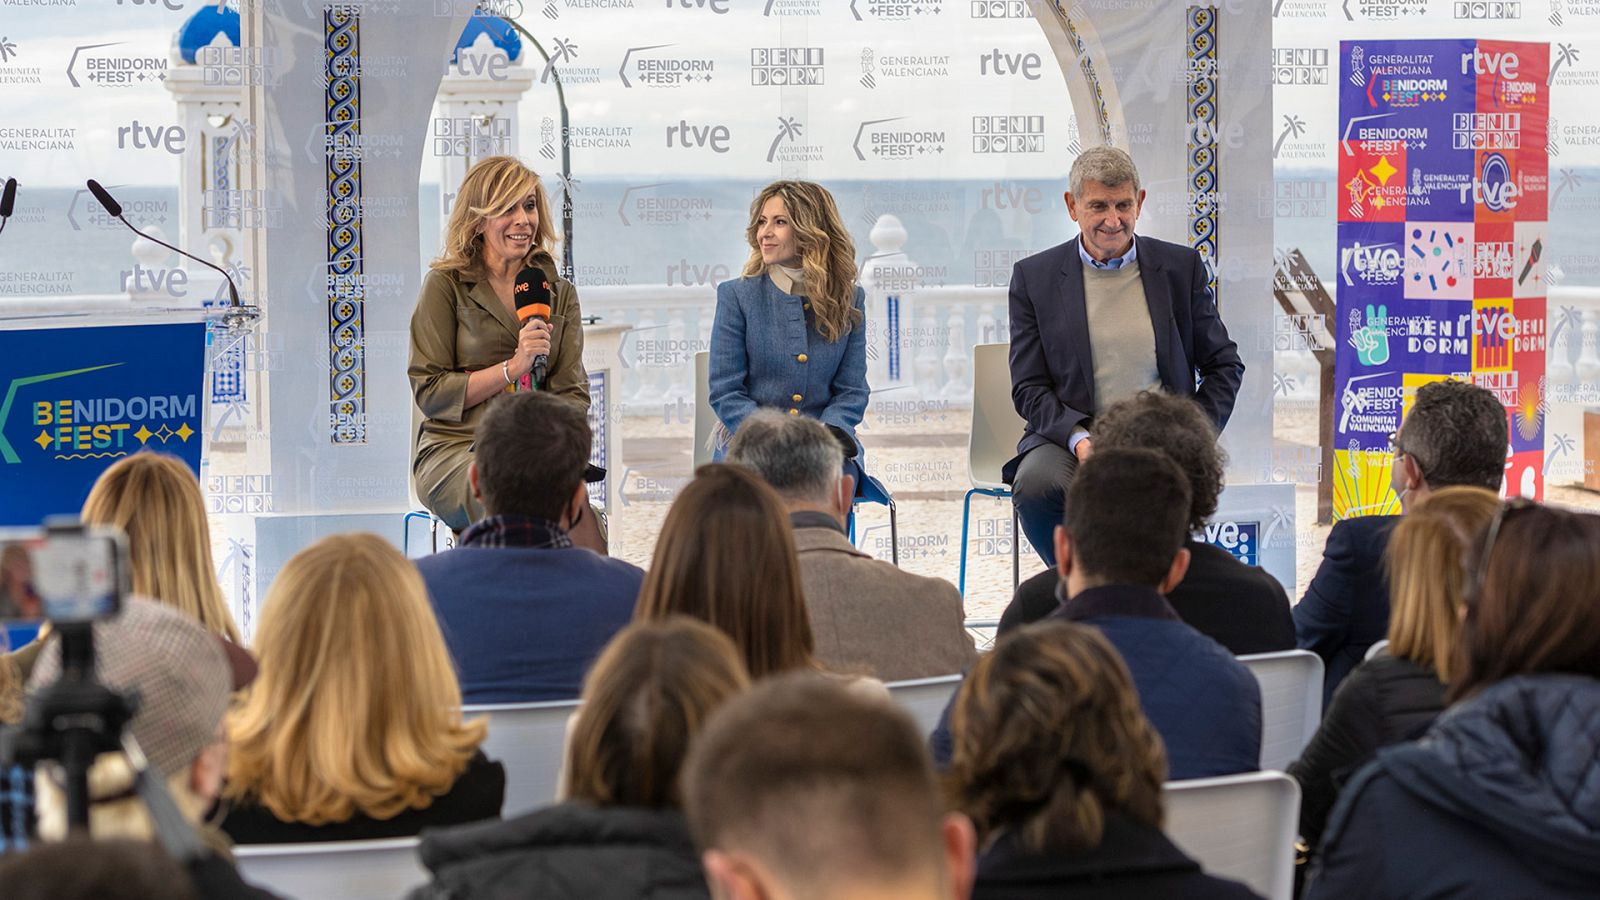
x=466, y=343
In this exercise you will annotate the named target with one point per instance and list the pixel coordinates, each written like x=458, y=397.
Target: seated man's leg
x=1040, y=494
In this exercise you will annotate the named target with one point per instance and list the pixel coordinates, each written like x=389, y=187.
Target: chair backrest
x=996, y=427
x=705, y=420
x=925, y=698
x=529, y=740
x=348, y=870
x=1291, y=702
x=1239, y=826
x=1375, y=649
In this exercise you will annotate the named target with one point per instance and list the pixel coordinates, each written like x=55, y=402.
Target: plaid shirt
x=16, y=808
x=516, y=531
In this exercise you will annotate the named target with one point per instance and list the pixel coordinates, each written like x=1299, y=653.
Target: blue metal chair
x=996, y=429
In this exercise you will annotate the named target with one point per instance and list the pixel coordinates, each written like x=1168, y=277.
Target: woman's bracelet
x=506, y=371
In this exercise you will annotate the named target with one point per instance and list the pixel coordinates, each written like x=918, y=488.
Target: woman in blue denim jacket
x=791, y=333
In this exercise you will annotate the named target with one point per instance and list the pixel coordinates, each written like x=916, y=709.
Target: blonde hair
x=1428, y=574
x=493, y=187
x=356, y=708
x=10, y=691
x=156, y=500
x=1048, y=736
x=646, y=699
x=128, y=817
x=827, y=253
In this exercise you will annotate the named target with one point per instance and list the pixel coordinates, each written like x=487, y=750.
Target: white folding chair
x=1375, y=649
x=705, y=420
x=527, y=738
x=1241, y=827
x=1291, y=702
x=925, y=698
x=996, y=429
x=334, y=870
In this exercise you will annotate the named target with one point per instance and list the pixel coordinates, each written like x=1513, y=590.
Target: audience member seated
x=726, y=556
x=523, y=610
x=1120, y=550
x=1502, y=797
x=1397, y=694
x=1061, y=775
x=353, y=729
x=805, y=788
x=621, y=832
x=865, y=613
x=1455, y=434
x=84, y=869
x=181, y=675
x=155, y=499
x=1240, y=607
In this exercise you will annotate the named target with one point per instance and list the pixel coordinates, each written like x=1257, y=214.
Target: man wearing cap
x=523, y=610
x=181, y=676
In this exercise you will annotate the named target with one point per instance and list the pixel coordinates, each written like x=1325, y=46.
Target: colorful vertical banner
x=1442, y=210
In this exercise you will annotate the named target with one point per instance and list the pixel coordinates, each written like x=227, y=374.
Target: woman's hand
x=532, y=341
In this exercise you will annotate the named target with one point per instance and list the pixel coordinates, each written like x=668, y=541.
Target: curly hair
x=1180, y=430
x=827, y=252
x=1048, y=736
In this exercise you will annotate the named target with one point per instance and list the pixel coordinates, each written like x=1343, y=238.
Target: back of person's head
x=181, y=676
x=1048, y=738
x=156, y=500
x=1127, y=516
x=1180, y=429
x=1532, y=605
x=726, y=556
x=1428, y=574
x=356, y=707
x=819, y=791
x=530, y=450
x=1457, y=434
x=82, y=869
x=797, y=455
x=649, y=694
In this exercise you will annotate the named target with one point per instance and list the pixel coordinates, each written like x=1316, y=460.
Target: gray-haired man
x=1099, y=319
x=865, y=613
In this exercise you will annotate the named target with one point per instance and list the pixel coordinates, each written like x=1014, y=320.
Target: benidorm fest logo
x=97, y=427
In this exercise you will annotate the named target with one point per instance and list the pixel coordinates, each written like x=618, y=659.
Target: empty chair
x=925, y=698
x=334, y=870
x=527, y=738
x=996, y=429
x=1238, y=826
x=1291, y=702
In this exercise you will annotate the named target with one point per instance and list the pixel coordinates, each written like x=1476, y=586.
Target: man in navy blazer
x=1096, y=320
x=1455, y=434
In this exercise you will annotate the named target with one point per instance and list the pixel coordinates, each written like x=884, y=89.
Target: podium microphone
x=115, y=209
x=8, y=201
x=532, y=296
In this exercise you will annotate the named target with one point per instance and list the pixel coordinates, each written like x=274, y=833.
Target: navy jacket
x=1052, y=372
x=1204, y=703
x=1132, y=860
x=524, y=623
x=1345, y=609
x=766, y=352
x=1241, y=607
x=1500, y=800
